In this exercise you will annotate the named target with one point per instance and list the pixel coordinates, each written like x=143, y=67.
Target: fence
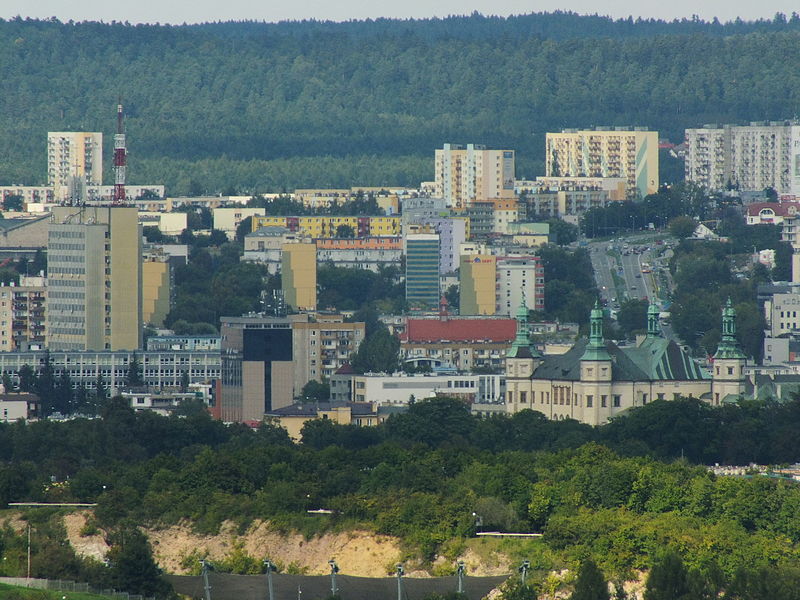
x=318, y=587
x=65, y=585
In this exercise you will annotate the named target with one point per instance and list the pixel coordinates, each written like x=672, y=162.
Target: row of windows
x=55, y=283
x=67, y=234
x=66, y=296
x=66, y=270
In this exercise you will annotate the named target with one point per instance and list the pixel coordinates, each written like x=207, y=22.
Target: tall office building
x=619, y=152
x=74, y=161
x=750, y=157
x=422, y=271
x=472, y=173
x=266, y=361
x=94, y=277
x=299, y=275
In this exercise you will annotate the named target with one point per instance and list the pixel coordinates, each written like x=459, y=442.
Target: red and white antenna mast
x=120, y=160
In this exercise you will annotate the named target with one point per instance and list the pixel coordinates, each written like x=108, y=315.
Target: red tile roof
x=460, y=330
x=781, y=209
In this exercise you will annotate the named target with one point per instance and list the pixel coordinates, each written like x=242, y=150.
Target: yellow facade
x=155, y=291
x=327, y=226
x=299, y=275
x=473, y=174
x=630, y=154
x=477, y=276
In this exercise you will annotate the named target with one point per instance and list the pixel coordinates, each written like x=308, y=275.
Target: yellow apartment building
x=299, y=275
x=621, y=152
x=327, y=226
x=477, y=279
x=155, y=289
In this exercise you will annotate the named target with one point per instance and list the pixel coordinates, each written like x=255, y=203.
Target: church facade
x=596, y=379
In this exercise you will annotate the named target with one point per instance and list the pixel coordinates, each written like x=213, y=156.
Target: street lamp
x=461, y=571
x=400, y=573
x=270, y=566
x=334, y=571
x=523, y=569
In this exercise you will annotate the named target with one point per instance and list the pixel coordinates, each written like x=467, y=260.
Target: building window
x=660, y=397
x=617, y=400
x=730, y=370
x=603, y=400
x=589, y=401
x=523, y=397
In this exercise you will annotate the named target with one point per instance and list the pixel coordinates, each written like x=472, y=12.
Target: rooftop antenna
x=120, y=160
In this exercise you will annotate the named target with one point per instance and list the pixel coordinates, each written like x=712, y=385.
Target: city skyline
x=205, y=11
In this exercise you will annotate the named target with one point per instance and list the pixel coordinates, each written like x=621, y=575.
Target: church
x=596, y=379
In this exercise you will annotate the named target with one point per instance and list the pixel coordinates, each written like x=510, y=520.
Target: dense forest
x=619, y=494
x=257, y=107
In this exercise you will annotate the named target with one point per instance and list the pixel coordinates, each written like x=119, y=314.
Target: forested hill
x=245, y=106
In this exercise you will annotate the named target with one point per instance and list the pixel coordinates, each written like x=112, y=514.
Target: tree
x=184, y=381
x=682, y=227
x=379, y=353
x=133, y=376
x=133, y=568
x=632, y=316
x=13, y=202
x=591, y=584
x=314, y=391
x=27, y=379
x=345, y=231
x=561, y=232
x=8, y=385
x=668, y=579
x=453, y=296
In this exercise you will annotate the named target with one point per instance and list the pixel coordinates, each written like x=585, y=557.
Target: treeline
x=247, y=107
x=618, y=493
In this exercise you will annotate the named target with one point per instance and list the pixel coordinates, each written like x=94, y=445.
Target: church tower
x=728, y=377
x=596, y=372
x=522, y=359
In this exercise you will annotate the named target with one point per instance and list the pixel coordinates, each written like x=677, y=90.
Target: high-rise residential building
x=497, y=285
x=520, y=282
x=22, y=315
x=620, y=152
x=299, y=275
x=74, y=159
x=477, y=276
x=750, y=158
x=156, y=288
x=472, y=173
x=422, y=271
x=94, y=278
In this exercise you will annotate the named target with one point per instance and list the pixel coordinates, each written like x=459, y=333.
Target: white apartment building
x=518, y=279
x=620, y=152
x=472, y=173
x=74, y=161
x=751, y=157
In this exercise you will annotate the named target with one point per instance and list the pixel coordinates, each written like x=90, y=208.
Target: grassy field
x=11, y=592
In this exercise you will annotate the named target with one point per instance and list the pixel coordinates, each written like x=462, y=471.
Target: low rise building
x=402, y=389
x=461, y=343
x=229, y=219
x=363, y=414
x=159, y=369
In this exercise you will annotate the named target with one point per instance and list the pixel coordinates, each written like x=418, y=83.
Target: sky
x=198, y=11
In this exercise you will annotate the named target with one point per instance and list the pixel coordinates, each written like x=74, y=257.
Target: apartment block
x=497, y=285
x=156, y=288
x=228, y=219
x=461, y=343
x=299, y=275
x=473, y=173
x=328, y=226
x=74, y=158
x=520, y=282
x=748, y=157
x=631, y=154
x=94, y=278
x=22, y=315
x=422, y=271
